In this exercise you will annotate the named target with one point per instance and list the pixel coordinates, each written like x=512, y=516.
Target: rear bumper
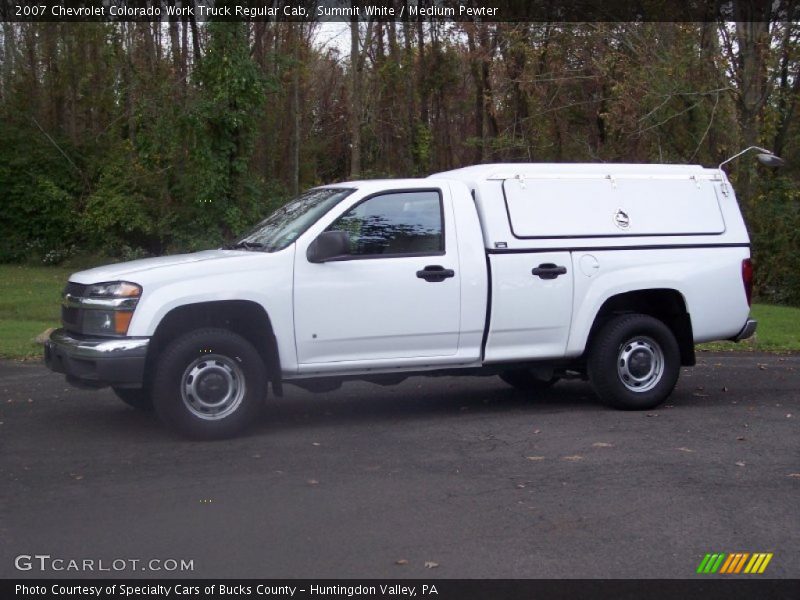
x=97, y=362
x=747, y=331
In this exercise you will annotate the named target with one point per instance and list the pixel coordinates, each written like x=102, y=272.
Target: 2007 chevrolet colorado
x=529, y=271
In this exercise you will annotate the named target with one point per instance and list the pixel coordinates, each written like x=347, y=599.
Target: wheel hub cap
x=640, y=364
x=212, y=387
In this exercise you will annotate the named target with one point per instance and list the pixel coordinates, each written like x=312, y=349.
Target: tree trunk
x=355, y=102
x=294, y=110
x=357, y=58
x=753, y=42
x=410, y=103
x=477, y=80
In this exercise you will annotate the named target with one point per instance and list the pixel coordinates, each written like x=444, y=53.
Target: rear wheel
x=209, y=384
x=634, y=362
x=527, y=380
x=140, y=398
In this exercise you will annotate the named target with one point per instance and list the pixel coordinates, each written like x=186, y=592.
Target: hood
x=136, y=269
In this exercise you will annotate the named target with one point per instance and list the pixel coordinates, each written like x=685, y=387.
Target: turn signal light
x=122, y=320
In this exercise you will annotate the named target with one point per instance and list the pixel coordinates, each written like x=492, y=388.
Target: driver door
x=395, y=296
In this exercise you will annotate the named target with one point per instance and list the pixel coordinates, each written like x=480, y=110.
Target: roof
x=533, y=170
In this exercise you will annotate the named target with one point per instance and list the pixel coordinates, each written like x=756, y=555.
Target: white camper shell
x=544, y=205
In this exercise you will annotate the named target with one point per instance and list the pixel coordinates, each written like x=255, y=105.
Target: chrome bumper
x=747, y=331
x=97, y=362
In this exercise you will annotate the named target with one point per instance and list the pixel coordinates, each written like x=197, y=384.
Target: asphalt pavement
x=437, y=477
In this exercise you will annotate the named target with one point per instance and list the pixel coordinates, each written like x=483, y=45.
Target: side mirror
x=328, y=245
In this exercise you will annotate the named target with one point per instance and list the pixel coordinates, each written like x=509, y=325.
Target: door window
x=395, y=224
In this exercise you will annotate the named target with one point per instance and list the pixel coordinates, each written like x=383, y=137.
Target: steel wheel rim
x=212, y=387
x=640, y=364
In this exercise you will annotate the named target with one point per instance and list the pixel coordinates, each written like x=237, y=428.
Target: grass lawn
x=778, y=331
x=30, y=302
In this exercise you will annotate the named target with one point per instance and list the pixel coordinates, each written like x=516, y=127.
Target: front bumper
x=97, y=362
x=747, y=331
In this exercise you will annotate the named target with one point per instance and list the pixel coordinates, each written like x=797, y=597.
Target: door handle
x=549, y=271
x=435, y=273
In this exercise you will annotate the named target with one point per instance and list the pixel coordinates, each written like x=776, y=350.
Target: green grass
x=30, y=302
x=778, y=331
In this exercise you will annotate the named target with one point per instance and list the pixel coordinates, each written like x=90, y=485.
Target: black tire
x=209, y=384
x=623, y=362
x=140, y=398
x=526, y=380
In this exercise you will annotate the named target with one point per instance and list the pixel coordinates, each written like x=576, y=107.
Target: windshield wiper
x=244, y=245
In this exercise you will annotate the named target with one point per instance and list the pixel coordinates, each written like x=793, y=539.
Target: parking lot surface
x=464, y=474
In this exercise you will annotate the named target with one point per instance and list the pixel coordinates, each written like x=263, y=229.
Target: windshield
x=287, y=223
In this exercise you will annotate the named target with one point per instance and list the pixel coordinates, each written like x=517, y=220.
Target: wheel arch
x=665, y=304
x=244, y=317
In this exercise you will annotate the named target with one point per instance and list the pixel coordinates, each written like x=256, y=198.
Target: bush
x=774, y=224
x=40, y=197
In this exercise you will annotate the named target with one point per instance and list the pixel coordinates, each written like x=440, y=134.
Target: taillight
x=747, y=279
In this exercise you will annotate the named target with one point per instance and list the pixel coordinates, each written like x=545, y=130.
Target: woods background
x=132, y=139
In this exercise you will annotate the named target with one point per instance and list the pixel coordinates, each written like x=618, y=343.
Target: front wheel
x=209, y=384
x=634, y=362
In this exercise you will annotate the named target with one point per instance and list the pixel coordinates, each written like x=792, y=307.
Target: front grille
x=75, y=289
x=71, y=317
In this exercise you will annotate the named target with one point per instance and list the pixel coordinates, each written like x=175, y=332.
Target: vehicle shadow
x=416, y=399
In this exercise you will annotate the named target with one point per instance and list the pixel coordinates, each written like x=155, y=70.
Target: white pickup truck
x=533, y=272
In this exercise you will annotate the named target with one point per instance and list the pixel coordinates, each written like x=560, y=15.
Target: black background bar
x=701, y=588
x=404, y=10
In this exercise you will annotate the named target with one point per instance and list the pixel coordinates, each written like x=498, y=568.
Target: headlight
x=115, y=289
x=106, y=308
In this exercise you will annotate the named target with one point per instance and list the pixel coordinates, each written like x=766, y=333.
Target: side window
x=394, y=223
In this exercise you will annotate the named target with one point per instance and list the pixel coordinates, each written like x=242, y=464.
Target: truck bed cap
x=571, y=170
